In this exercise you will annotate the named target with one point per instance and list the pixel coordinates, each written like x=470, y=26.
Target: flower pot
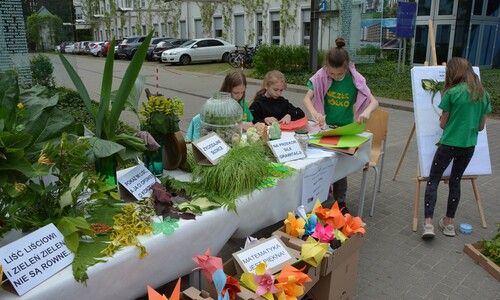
x=106, y=166
x=173, y=150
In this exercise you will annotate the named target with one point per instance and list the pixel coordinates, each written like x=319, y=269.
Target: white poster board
x=428, y=131
x=316, y=183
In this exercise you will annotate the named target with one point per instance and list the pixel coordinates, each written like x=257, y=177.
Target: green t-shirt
x=339, y=101
x=462, y=127
x=247, y=115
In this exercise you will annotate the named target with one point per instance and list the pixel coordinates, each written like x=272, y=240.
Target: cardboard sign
x=286, y=149
x=316, y=182
x=271, y=251
x=32, y=259
x=209, y=149
x=138, y=181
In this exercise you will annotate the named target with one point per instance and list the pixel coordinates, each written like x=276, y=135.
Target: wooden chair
x=377, y=125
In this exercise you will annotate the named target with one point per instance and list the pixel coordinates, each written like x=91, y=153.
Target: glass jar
x=302, y=137
x=223, y=115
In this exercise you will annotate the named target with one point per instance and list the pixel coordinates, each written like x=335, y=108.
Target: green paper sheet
x=349, y=129
x=346, y=141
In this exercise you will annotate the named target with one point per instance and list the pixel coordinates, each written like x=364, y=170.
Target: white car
x=198, y=50
x=95, y=49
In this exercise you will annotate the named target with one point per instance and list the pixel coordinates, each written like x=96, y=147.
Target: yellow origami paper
x=249, y=280
x=294, y=226
x=353, y=225
x=312, y=251
x=290, y=282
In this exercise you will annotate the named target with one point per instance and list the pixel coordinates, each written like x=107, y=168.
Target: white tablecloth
x=125, y=276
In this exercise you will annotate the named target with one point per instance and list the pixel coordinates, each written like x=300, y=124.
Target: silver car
x=198, y=50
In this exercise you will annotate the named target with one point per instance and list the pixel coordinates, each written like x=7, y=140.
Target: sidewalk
x=395, y=263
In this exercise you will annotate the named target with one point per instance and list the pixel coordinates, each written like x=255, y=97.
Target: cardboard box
x=338, y=270
x=232, y=269
x=193, y=293
x=474, y=251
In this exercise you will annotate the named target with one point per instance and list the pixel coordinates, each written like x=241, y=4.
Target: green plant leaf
x=127, y=84
x=107, y=82
x=14, y=141
x=65, y=199
x=9, y=97
x=103, y=148
x=77, y=81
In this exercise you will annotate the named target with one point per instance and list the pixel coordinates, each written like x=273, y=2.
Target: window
x=473, y=43
x=420, y=48
x=306, y=26
x=143, y=3
x=259, y=29
x=275, y=28
x=125, y=31
x=132, y=32
x=218, y=27
x=156, y=34
x=163, y=30
x=202, y=44
x=492, y=8
x=144, y=30
x=478, y=7
x=488, y=40
x=445, y=7
x=213, y=43
x=424, y=8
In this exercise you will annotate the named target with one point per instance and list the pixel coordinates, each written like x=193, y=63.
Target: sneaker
x=448, y=230
x=343, y=208
x=428, y=231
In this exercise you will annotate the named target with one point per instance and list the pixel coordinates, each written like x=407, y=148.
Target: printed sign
x=210, y=147
x=286, y=149
x=270, y=251
x=316, y=182
x=138, y=181
x=406, y=19
x=32, y=259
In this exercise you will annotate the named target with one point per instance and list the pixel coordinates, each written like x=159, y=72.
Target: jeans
x=443, y=157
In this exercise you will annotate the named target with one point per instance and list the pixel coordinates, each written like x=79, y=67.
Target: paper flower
x=294, y=226
x=312, y=252
x=166, y=227
x=208, y=264
x=353, y=225
x=331, y=216
x=176, y=294
x=231, y=288
x=290, y=282
x=264, y=281
x=310, y=226
x=323, y=234
x=219, y=279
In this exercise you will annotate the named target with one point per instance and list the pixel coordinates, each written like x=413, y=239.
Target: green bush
x=42, y=70
x=287, y=59
x=489, y=78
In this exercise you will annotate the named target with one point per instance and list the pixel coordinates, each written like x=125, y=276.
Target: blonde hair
x=459, y=70
x=271, y=78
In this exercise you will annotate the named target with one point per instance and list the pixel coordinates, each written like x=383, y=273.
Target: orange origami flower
x=352, y=225
x=294, y=226
x=331, y=216
x=290, y=282
x=232, y=287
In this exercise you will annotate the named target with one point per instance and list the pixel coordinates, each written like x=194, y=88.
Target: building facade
x=466, y=28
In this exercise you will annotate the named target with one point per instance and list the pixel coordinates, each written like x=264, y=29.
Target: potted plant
x=107, y=146
x=161, y=119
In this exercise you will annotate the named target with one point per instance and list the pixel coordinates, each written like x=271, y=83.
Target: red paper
x=295, y=124
x=330, y=140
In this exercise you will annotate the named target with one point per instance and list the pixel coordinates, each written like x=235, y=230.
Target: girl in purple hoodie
x=337, y=96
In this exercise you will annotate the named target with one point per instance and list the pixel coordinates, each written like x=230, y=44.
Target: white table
x=125, y=276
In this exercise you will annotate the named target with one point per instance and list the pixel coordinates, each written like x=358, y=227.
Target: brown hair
x=338, y=57
x=271, y=77
x=459, y=70
x=232, y=80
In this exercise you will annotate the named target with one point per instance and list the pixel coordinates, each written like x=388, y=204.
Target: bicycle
x=242, y=57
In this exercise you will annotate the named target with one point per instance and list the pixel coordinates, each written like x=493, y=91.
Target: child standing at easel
x=465, y=104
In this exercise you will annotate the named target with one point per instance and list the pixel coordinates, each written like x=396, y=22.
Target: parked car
x=198, y=50
x=96, y=49
x=105, y=47
x=80, y=47
x=64, y=45
x=69, y=48
x=165, y=45
x=152, y=45
x=128, y=47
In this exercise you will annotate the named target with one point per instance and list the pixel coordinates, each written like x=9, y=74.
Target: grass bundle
x=238, y=172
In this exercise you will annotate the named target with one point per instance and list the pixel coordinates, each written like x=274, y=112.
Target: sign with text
x=406, y=19
x=32, y=259
x=286, y=149
x=138, y=181
x=271, y=251
x=316, y=182
x=209, y=149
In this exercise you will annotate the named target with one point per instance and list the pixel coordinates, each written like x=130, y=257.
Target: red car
x=105, y=47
